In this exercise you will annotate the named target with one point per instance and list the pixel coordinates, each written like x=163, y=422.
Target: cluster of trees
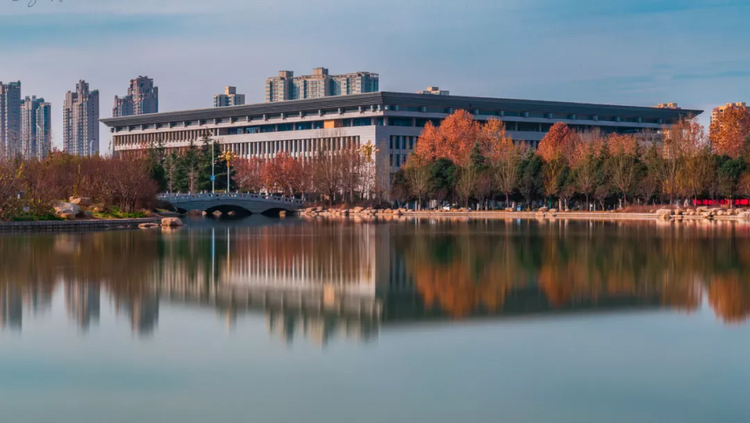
x=31, y=187
x=462, y=159
x=345, y=174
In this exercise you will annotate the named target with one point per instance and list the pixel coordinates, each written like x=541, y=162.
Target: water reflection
x=322, y=280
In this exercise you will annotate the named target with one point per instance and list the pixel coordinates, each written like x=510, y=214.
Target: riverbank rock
x=664, y=213
x=358, y=209
x=67, y=208
x=744, y=215
x=194, y=213
x=149, y=225
x=216, y=213
x=543, y=209
x=67, y=216
x=171, y=221
x=81, y=201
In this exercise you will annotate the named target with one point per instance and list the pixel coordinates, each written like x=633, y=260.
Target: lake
x=410, y=320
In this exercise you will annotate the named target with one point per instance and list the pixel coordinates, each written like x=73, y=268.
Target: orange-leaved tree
x=730, y=130
x=555, y=149
x=249, y=174
x=453, y=139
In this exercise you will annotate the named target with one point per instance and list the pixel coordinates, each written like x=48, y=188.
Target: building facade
x=10, y=119
x=434, y=91
x=229, y=98
x=320, y=84
x=81, y=121
x=718, y=111
x=142, y=98
x=36, y=128
x=390, y=121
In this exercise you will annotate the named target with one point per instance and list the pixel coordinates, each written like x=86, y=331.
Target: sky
x=634, y=52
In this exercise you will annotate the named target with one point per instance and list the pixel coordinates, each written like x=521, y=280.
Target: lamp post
x=213, y=165
x=228, y=156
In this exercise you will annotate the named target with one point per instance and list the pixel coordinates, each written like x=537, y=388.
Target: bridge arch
x=225, y=209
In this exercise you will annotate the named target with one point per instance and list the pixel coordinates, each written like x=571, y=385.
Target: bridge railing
x=219, y=196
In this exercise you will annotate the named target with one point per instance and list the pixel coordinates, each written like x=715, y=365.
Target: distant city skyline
x=638, y=52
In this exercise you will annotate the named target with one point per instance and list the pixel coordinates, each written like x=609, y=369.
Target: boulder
x=216, y=213
x=67, y=216
x=149, y=225
x=86, y=214
x=98, y=209
x=553, y=210
x=69, y=208
x=171, y=221
x=543, y=209
x=744, y=215
x=358, y=209
x=319, y=209
x=509, y=209
x=388, y=211
x=81, y=201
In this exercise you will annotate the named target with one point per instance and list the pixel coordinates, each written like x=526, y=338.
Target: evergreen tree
x=205, y=166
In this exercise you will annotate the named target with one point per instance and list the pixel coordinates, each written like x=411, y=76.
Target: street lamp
x=213, y=165
x=228, y=156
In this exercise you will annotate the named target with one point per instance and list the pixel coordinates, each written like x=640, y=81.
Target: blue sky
x=636, y=52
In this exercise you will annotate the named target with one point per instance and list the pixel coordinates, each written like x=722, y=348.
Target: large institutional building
x=143, y=97
x=10, y=119
x=320, y=84
x=36, y=128
x=81, y=121
x=391, y=121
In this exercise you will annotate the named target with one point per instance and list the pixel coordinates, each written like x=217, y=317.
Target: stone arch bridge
x=253, y=203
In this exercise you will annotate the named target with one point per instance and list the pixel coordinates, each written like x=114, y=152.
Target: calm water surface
x=274, y=320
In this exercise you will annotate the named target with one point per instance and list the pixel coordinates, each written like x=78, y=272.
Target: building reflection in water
x=320, y=281
x=82, y=302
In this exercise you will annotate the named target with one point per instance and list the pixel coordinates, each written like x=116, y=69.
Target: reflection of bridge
x=254, y=203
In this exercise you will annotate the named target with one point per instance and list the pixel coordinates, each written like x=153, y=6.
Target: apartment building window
x=398, y=160
x=411, y=143
x=391, y=156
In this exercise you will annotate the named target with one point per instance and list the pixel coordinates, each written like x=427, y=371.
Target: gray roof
x=405, y=100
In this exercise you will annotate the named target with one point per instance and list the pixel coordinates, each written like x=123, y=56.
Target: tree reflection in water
x=320, y=279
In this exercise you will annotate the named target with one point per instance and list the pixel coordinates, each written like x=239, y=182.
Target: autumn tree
x=249, y=174
x=555, y=149
x=680, y=139
x=417, y=172
x=505, y=158
x=621, y=163
x=585, y=162
x=729, y=131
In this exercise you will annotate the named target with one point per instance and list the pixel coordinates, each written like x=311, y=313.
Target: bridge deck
x=255, y=203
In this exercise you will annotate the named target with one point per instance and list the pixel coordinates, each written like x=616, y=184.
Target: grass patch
x=34, y=218
x=115, y=213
